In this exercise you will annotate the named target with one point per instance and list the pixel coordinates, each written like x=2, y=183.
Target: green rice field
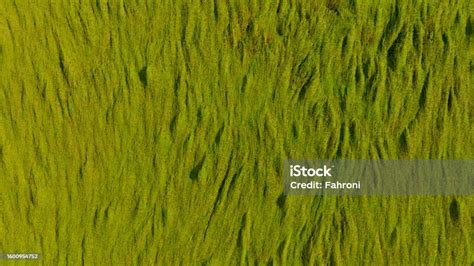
x=140, y=132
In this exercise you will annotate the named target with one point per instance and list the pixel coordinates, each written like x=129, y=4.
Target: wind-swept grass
x=154, y=132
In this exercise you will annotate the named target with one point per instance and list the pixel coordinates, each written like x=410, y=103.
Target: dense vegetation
x=154, y=132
